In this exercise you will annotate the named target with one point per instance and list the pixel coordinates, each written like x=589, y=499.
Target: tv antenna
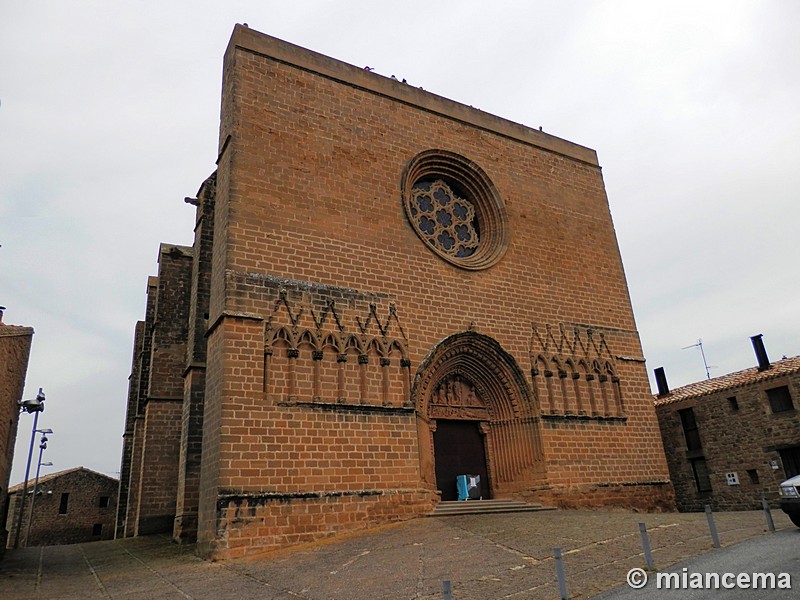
x=699, y=344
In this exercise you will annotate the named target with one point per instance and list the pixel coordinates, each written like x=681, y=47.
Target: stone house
x=72, y=506
x=386, y=289
x=15, y=349
x=731, y=439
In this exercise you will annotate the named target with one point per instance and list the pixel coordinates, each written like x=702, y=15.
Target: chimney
x=2, y=308
x=661, y=382
x=761, y=353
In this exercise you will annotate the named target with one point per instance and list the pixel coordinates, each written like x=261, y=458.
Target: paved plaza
x=504, y=556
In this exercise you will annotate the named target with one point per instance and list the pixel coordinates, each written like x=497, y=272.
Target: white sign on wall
x=733, y=478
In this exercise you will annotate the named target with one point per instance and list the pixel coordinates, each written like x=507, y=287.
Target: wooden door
x=458, y=448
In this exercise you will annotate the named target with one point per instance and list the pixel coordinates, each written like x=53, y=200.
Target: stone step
x=477, y=507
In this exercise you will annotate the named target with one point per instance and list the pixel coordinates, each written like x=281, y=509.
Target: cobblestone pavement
x=506, y=556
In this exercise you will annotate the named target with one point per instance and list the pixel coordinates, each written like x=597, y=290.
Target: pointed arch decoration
x=582, y=356
x=366, y=366
x=469, y=376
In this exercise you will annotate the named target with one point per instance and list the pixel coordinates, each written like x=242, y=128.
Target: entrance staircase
x=483, y=507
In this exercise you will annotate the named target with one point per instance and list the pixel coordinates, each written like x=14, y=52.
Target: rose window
x=455, y=209
x=447, y=221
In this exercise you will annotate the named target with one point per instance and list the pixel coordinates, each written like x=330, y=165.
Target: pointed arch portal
x=476, y=413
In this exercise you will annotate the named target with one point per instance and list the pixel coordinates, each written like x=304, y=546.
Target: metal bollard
x=648, y=555
x=447, y=590
x=712, y=526
x=562, y=579
x=767, y=513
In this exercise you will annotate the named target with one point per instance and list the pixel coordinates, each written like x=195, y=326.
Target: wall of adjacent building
x=81, y=518
x=742, y=445
x=15, y=347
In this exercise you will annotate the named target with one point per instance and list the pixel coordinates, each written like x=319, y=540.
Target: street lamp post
x=42, y=448
x=36, y=405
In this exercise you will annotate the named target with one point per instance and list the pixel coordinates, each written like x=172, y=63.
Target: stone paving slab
x=503, y=556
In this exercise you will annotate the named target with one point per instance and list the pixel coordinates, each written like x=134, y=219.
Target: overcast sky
x=109, y=114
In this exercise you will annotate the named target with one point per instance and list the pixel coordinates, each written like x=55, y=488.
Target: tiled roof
x=749, y=376
x=45, y=478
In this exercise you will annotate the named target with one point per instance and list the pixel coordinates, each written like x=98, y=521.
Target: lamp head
x=32, y=406
x=35, y=404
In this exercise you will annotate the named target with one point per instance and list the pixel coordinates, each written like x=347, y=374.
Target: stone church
x=386, y=289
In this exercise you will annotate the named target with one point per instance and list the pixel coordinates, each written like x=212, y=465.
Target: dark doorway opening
x=459, y=450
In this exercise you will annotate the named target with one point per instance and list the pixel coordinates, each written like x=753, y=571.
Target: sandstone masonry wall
x=309, y=210
x=15, y=348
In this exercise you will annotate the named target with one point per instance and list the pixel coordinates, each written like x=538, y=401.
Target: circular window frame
x=464, y=177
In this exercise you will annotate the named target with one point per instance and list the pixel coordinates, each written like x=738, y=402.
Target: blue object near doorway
x=468, y=487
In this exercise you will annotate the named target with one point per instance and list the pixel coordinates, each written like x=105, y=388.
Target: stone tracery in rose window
x=447, y=221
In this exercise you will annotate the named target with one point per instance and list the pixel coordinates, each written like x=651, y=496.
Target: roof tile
x=749, y=376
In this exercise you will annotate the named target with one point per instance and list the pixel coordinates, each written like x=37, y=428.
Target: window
x=97, y=529
x=104, y=501
x=779, y=399
x=733, y=403
x=753, y=475
x=790, y=457
x=690, y=431
x=446, y=220
x=62, y=508
x=701, y=477
x=455, y=209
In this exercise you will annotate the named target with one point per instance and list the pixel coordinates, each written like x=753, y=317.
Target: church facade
x=387, y=289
